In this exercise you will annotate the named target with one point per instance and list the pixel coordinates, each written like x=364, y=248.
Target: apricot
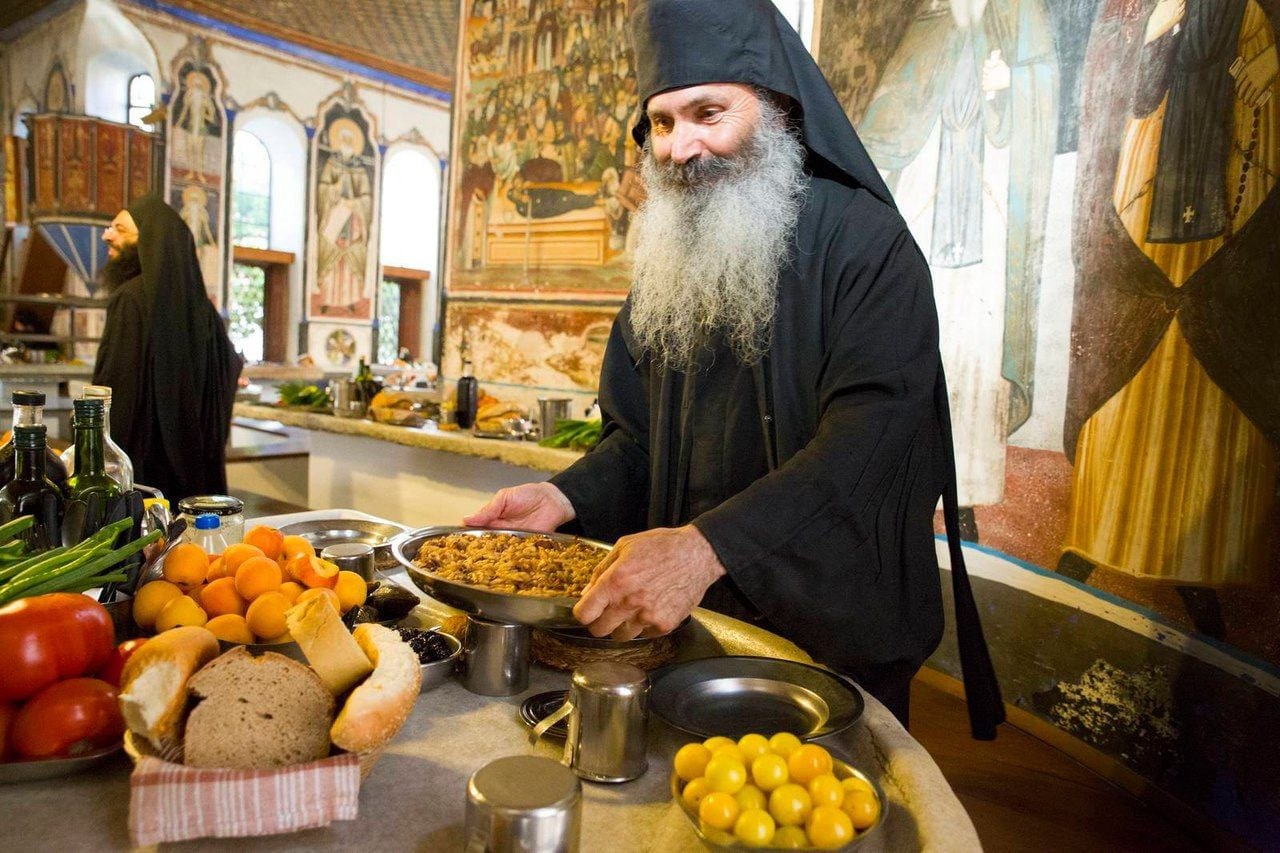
x=151, y=599
x=180, y=611
x=291, y=590
x=351, y=590
x=186, y=564
x=220, y=598
x=269, y=540
x=322, y=591
x=292, y=546
x=217, y=569
x=316, y=572
x=235, y=556
x=230, y=627
x=266, y=615
x=257, y=576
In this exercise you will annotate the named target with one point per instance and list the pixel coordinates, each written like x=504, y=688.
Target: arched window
x=142, y=99
x=250, y=192
x=410, y=234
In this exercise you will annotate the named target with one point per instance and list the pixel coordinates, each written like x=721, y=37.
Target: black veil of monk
x=167, y=358
x=811, y=466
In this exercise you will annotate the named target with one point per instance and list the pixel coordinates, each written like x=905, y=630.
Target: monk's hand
x=1255, y=77
x=649, y=583
x=539, y=507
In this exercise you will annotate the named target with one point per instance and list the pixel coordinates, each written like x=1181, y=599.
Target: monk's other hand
x=540, y=507
x=649, y=583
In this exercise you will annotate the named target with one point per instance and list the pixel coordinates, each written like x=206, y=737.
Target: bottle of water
x=116, y=462
x=208, y=534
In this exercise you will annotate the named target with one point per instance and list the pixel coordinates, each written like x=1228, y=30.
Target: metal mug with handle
x=608, y=712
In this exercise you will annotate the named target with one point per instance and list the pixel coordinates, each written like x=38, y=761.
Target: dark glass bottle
x=30, y=492
x=28, y=410
x=468, y=397
x=91, y=483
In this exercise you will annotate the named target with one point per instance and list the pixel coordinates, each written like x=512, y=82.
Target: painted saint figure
x=194, y=116
x=344, y=202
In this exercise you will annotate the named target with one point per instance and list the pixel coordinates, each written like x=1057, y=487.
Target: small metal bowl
x=438, y=671
x=715, y=839
x=323, y=532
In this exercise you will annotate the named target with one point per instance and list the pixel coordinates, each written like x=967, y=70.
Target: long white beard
x=711, y=239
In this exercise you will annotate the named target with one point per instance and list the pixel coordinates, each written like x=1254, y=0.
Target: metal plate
x=735, y=695
x=480, y=601
x=30, y=771
x=323, y=532
x=539, y=706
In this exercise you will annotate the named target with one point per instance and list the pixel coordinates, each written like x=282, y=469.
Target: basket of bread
x=215, y=726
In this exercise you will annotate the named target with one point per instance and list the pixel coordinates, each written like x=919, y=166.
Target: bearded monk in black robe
x=165, y=354
x=776, y=432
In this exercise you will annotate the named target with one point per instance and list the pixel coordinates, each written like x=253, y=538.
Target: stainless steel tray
x=488, y=603
x=323, y=532
x=735, y=695
x=30, y=771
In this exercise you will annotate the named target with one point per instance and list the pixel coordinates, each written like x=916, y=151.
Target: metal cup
x=352, y=557
x=346, y=399
x=495, y=657
x=523, y=804
x=608, y=711
x=550, y=410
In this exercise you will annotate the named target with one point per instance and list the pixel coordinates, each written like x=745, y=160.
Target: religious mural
x=1149, y=130
x=545, y=187
x=342, y=273
x=197, y=133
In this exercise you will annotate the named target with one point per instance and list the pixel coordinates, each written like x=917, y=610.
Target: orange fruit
x=257, y=576
x=266, y=615
x=217, y=569
x=328, y=595
x=186, y=563
x=291, y=590
x=151, y=599
x=181, y=611
x=269, y=540
x=316, y=572
x=235, y=555
x=220, y=598
x=292, y=546
x=351, y=590
x=230, y=627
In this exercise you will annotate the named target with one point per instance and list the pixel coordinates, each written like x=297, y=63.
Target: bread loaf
x=257, y=712
x=328, y=645
x=153, y=683
x=377, y=709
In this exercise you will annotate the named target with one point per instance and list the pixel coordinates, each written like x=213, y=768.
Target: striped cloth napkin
x=170, y=802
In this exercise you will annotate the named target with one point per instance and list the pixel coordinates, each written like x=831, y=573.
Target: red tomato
x=47, y=638
x=68, y=718
x=111, y=672
x=7, y=713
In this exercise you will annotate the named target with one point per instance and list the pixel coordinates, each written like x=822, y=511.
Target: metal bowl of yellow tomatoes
x=774, y=793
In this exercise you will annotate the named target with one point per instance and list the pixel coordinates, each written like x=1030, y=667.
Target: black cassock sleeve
x=122, y=365
x=609, y=487
x=837, y=542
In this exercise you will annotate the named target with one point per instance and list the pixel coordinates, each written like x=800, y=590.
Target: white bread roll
x=317, y=628
x=153, y=684
x=257, y=712
x=377, y=709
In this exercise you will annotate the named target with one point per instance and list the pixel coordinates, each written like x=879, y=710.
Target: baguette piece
x=257, y=712
x=153, y=683
x=376, y=710
x=328, y=645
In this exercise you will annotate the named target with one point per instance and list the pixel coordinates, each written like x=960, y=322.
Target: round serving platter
x=29, y=771
x=486, y=603
x=323, y=532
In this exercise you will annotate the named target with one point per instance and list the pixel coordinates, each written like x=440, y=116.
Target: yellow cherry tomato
x=725, y=773
x=751, y=797
x=828, y=827
x=691, y=761
x=808, y=762
x=826, y=790
x=752, y=747
x=854, y=783
x=790, y=838
x=770, y=771
x=754, y=828
x=784, y=743
x=714, y=743
x=862, y=807
x=719, y=810
x=790, y=804
x=694, y=792
x=731, y=749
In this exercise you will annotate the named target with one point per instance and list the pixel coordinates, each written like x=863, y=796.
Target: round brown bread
x=376, y=710
x=153, y=683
